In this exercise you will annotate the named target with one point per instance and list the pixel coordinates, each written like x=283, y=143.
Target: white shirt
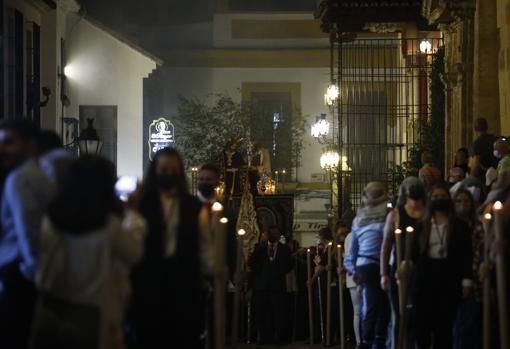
x=275, y=246
x=437, y=247
x=349, y=280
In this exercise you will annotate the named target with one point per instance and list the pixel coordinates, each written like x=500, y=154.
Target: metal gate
x=384, y=98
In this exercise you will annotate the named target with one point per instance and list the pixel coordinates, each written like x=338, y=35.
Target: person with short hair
x=481, y=151
x=502, y=153
x=29, y=158
x=429, y=174
x=462, y=159
x=270, y=262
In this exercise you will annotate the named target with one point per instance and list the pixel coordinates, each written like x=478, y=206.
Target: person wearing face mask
x=409, y=211
x=443, y=271
x=467, y=333
x=502, y=153
x=269, y=263
x=167, y=284
x=208, y=179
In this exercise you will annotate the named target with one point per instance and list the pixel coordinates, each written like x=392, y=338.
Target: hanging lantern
x=321, y=127
x=332, y=94
x=425, y=46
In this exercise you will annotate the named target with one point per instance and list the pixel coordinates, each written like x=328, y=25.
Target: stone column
x=503, y=23
x=486, y=79
x=456, y=20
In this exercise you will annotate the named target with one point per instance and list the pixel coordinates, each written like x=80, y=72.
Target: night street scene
x=241, y=174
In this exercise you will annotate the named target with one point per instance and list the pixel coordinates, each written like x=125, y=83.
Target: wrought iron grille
x=384, y=98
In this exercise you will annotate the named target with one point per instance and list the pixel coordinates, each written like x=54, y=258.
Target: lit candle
x=340, y=296
x=220, y=273
x=409, y=243
x=398, y=245
x=276, y=178
x=283, y=179
x=237, y=295
x=328, y=295
x=310, y=300
x=486, y=284
x=499, y=221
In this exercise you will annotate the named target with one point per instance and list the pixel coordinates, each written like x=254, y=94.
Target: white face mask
x=451, y=180
x=283, y=240
x=497, y=155
x=475, y=191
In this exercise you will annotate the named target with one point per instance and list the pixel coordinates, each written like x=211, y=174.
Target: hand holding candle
x=499, y=226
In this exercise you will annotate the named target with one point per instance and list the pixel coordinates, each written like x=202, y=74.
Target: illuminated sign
x=161, y=135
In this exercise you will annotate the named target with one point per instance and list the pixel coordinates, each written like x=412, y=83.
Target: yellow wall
x=503, y=20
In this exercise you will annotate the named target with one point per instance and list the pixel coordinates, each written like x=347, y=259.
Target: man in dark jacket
x=270, y=262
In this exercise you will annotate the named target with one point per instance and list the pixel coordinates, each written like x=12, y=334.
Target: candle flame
x=487, y=216
x=498, y=205
x=398, y=231
x=217, y=207
x=339, y=246
x=241, y=232
x=330, y=244
x=410, y=229
x=224, y=220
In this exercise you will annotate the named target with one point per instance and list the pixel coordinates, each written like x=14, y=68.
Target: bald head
x=502, y=147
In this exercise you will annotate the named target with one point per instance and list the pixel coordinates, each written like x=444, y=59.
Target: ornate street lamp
x=89, y=142
x=330, y=159
x=425, y=46
x=332, y=94
x=321, y=127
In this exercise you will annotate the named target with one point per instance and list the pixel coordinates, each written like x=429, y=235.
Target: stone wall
x=503, y=23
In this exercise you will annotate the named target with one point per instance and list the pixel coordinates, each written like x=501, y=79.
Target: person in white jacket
x=87, y=247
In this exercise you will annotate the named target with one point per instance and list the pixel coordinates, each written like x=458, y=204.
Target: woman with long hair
x=443, y=269
x=409, y=211
x=166, y=308
x=467, y=328
x=87, y=249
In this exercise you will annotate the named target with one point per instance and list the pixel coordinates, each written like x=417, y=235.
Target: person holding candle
x=208, y=179
x=409, y=211
x=468, y=324
x=320, y=288
x=167, y=284
x=443, y=271
x=270, y=262
x=363, y=263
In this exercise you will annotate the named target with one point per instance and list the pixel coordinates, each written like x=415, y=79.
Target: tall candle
x=276, y=178
x=328, y=296
x=409, y=243
x=310, y=300
x=398, y=245
x=237, y=295
x=220, y=273
x=340, y=296
x=499, y=221
x=283, y=180
x=487, y=284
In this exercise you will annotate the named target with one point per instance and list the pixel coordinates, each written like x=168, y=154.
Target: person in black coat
x=270, y=262
x=167, y=284
x=443, y=271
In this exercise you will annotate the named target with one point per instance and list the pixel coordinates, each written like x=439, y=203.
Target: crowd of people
x=80, y=268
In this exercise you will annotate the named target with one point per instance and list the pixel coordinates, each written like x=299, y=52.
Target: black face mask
x=440, y=204
x=416, y=192
x=167, y=181
x=206, y=189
